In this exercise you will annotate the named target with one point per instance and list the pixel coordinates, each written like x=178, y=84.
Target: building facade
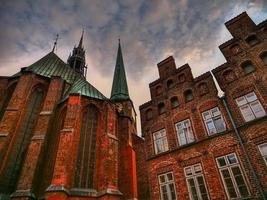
x=198, y=145
x=60, y=138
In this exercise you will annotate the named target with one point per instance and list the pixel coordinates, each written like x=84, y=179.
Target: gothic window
x=188, y=95
x=229, y=76
x=235, y=48
x=248, y=67
x=181, y=78
x=174, y=102
x=23, y=137
x=161, y=108
x=263, y=57
x=167, y=186
x=232, y=176
x=85, y=165
x=160, y=141
x=158, y=90
x=214, y=121
x=8, y=96
x=250, y=106
x=149, y=114
x=170, y=84
x=195, y=182
x=252, y=40
x=184, y=132
x=203, y=89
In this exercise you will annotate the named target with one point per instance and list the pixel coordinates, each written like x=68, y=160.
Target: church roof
x=51, y=65
x=119, y=87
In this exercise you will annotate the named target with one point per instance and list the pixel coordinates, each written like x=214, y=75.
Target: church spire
x=119, y=87
x=77, y=59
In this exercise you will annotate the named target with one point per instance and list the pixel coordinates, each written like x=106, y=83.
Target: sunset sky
x=150, y=30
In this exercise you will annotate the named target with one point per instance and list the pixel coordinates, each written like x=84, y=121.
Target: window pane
x=215, y=112
x=169, y=175
x=202, y=187
x=164, y=192
x=219, y=124
x=197, y=168
x=221, y=161
x=240, y=181
x=257, y=108
x=172, y=190
x=263, y=149
x=228, y=183
x=182, y=138
x=192, y=188
x=211, y=127
x=188, y=171
x=206, y=115
x=247, y=113
x=231, y=159
x=241, y=101
x=162, y=179
x=251, y=97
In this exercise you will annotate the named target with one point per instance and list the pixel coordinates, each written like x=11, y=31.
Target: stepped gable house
x=60, y=138
x=200, y=146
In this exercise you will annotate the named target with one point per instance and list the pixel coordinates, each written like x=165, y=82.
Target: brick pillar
x=25, y=187
x=11, y=121
x=59, y=188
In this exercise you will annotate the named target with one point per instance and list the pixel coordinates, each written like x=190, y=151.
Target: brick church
x=60, y=138
x=200, y=146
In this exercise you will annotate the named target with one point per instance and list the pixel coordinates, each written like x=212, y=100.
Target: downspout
x=249, y=164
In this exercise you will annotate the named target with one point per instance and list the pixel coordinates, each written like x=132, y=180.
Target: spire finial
x=81, y=40
x=55, y=43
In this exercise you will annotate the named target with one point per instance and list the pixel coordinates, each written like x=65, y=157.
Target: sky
x=149, y=30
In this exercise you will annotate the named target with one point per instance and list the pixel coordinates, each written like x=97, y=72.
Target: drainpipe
x=251, y=169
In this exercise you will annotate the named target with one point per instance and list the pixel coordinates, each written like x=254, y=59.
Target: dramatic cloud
x=190, y=30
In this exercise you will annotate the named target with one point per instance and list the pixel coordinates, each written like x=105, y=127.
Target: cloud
x=190, y=30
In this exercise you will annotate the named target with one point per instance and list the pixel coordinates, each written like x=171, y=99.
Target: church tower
x=126, y=125
x=77, y=59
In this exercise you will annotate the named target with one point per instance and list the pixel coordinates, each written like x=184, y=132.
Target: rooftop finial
x=55, y=43
x=81, y=40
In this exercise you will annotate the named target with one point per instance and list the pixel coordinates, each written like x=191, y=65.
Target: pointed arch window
x=188, y=95
x=248, y=67
x=23, y=137
x=158, y=90
x=252, y=40
x=263, y=57
x=174, y=102
x=85, y=165
x=161, y=108
x=170, y=84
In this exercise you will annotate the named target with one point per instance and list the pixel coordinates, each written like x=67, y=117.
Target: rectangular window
x=214, y=121
x=184, y=132
x=232, y=176
x=196, y=182
x=263, y=150
x=250, y=106
x=160, y=141
x=167, y=186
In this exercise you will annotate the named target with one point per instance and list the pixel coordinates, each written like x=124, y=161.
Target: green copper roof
x=51, y=65
x=119, y=87
x=83, y=88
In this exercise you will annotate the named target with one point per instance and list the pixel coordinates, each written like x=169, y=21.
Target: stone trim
x=83, y=192
x=46, y=113
x=57, y=188
x=2, y=134
x=38, y=137
x=112, y=136
x=109, y=191
x=12, y=109
x=67, y=130
x=23, y=193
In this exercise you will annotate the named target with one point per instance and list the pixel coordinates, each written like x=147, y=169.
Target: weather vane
x=55, y=43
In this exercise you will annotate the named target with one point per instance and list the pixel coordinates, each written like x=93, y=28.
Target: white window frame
x=264, y=157
x=209, y=116
x=229, y=167
x=246, y=105
x=187, y=131
x=162, y=140
x=167, y=183
x=194, y=176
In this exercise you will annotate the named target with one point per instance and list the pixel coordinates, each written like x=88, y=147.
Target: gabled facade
x=201, y=146
x=60, y=138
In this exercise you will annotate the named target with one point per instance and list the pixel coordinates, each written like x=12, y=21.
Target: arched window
x=158, y=90
x=229, y=76
x=13, y=167
x=235, y=48
x=8, y=96
x=161, y=108
x=203, y=88
x=188, y=95
x=252, y=40
x=181, y=78
x=84, y=175
x=174, y=102
x=170, y=84
x=248, y=67
x=149, y=114
x=263, y=57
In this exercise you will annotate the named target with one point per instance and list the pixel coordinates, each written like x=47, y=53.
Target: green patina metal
x=51, y=65
x=119, y=87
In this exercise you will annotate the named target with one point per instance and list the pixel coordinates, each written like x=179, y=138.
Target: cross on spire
x=55, y=43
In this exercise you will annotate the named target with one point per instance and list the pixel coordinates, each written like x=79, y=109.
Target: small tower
x=77, y=59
